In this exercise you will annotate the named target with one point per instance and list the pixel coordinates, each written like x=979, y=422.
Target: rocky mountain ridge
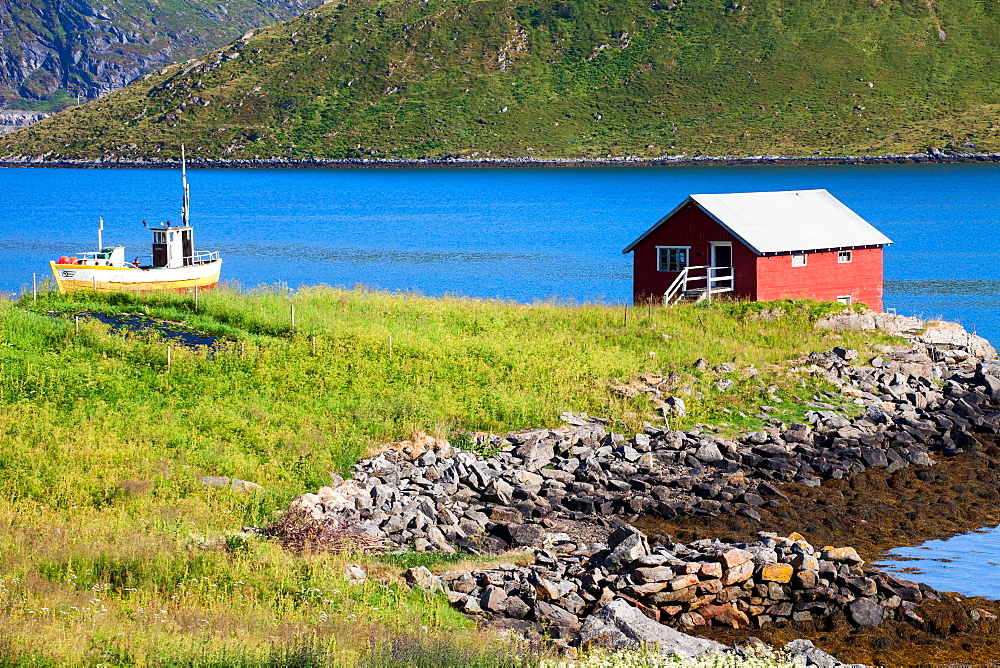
x=56, y=53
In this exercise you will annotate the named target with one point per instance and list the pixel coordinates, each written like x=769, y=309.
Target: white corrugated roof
x=784, y=221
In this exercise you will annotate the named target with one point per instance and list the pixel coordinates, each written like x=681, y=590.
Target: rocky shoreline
x=931, y=155
x=566, y=492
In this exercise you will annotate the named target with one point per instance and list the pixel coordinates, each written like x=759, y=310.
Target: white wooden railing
x=706, y=275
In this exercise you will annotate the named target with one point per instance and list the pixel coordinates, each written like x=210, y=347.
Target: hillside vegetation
x=572, y=78
x=112, y=550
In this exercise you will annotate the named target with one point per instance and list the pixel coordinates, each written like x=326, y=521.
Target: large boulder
x=620, y=626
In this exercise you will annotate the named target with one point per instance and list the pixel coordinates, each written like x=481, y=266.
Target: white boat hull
x=95, y=278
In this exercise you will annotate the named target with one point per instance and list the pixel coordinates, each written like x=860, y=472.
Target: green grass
x=112, y=551
x=573, y=78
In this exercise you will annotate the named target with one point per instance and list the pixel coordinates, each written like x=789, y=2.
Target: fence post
x=293, y=315
x=314, y=346
x=196, y=299
x=34, y=287
x=168, y=358
x=77, y=319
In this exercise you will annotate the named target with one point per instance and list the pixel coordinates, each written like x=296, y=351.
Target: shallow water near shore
x=522, y=234
x=965, y=564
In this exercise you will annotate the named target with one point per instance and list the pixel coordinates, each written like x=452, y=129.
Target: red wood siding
x=689, y=227
x=823, y=278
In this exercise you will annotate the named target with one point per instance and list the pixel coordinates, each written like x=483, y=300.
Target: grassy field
x=114, y=552
x=566, y=78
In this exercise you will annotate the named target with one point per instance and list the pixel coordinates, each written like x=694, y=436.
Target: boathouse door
x=722, y=264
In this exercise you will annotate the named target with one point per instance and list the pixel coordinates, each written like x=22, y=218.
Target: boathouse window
x=845, y=299
x=671, y=258
x=844, y=256
x=798, y=259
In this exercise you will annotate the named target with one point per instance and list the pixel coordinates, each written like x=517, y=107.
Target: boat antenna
x=186, y=208
x=100, y=240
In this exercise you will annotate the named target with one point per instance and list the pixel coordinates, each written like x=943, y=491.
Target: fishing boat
x=174, y=264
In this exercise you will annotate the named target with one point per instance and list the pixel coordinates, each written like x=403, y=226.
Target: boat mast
x=100, y=240
x=186, y=207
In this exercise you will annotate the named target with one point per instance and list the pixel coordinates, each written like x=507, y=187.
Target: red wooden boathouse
x=802, y=244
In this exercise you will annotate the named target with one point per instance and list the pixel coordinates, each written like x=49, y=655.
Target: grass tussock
x=111, y=549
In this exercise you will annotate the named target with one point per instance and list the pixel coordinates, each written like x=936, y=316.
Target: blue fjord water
x=523, y=234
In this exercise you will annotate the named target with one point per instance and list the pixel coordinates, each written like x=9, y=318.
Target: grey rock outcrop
x=621, y=626
x=91, y=47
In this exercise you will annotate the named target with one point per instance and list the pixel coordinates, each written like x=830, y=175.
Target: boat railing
x=204, y=256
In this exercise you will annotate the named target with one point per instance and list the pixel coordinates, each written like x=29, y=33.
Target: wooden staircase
x=686, y=288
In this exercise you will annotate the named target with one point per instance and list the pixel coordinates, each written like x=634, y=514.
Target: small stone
x=657, y=574
x=780, y=573
x=684, y=581
x=805, y=562
x=846, y=354
x=711, y=569
x=734, y=557
x=725, y=614
x=740, y=573
x=554, y=615
x=806, y=579
x=865, y=612
x=848, y=554
x=709, y=452
x=245, y=485
x=493, y=599
x=516, y=607
x=811, y=655
x=501, y=514
x=421, y=578
x=355, y=575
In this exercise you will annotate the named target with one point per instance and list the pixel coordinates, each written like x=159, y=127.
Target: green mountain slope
x=52, y=51
x=573, y=78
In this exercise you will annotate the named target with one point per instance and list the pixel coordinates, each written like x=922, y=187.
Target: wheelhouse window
x=672, y=258
x=799, y=259
x=844, y=256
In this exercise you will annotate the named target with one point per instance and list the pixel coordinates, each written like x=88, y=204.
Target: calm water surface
x=966, y=564
x=520, y=234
